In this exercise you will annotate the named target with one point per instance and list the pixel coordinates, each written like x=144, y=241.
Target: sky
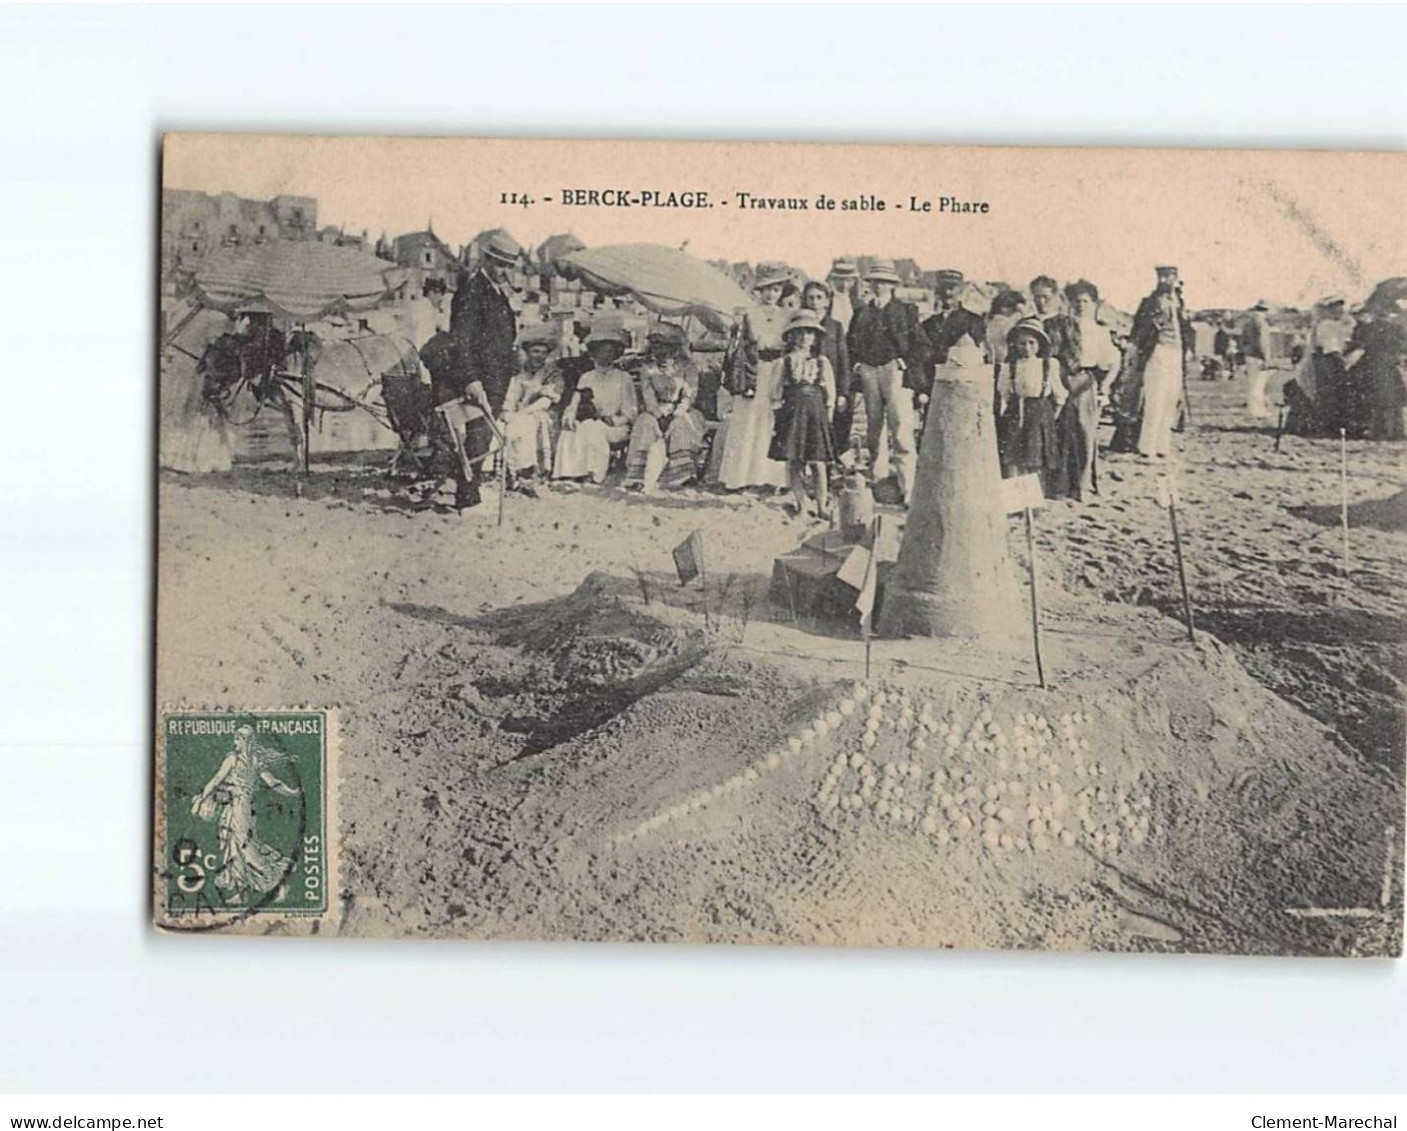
x=1287, y=227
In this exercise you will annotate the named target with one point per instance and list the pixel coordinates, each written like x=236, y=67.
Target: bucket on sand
x=856, y=505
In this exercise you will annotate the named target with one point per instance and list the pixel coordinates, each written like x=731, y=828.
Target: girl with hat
x=1030, y=393
x=667, y=436
x=802, y=437
x=739, y=458
x=601, y=411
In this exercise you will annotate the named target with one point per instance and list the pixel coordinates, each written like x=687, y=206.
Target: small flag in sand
x=1022, y=491
x=857, y=563
x=689, y=557
x=865, y=601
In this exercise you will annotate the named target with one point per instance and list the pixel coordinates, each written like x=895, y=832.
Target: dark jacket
x=482, y=320
x=1152, y=317
x=945, y=328
x=836, y=350
x=878, y=336
x=444, y=358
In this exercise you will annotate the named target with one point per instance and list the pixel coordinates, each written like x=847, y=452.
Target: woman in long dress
x=247, y=864
x=1089, y=363
x=601, y=411
x=530, y=410
x=667, y=436
x=756, y=380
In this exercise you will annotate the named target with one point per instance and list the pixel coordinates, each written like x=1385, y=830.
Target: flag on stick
x=689, y=557
x=865, y=601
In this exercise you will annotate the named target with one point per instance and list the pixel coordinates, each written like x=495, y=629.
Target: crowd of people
x=830, y=375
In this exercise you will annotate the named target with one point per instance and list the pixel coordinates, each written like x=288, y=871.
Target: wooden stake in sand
x=1167, y=495
x=866, y=599
x=1023, y=493
x=1035, y=596
x=1343, y=495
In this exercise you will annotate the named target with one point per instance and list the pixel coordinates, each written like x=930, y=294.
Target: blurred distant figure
x=1255, y=343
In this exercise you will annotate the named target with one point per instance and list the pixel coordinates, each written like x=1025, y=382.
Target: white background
x=89, y=999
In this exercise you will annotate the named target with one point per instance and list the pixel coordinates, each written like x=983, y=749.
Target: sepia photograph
x=763, y=543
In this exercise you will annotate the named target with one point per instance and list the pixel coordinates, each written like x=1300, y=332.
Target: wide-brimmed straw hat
x=608, y=330
x=803, y=320
x=1032, y=326
x=538, y=334
x=503, y=248
x=844, y=267
x=882, y=271
x=666, y=332
x=771, y=275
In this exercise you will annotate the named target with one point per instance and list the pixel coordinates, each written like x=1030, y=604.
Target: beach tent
x=666, y=281
x=554, y=248
x=299, y=280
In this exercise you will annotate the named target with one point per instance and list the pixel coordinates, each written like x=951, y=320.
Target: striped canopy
x=667, y=281
x=302, y=280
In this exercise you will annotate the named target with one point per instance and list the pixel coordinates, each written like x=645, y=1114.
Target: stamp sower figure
x=247, y=864
x=886, y=347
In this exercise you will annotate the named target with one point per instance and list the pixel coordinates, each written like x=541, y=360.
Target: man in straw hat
x=841, y=280
x=1255, y=345
x=888, y=351
x=483, y=319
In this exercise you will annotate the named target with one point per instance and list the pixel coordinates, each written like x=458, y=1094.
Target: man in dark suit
x=482, y=318
x=952, y=321
x=472, y=364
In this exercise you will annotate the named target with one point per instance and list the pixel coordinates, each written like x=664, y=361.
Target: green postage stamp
x=245, y=822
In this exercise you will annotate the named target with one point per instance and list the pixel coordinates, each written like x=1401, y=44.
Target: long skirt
x=1028, y=443
x=801, y=433
x=529, y=437
x=1330, y=390
x=1076, y=429
x=1162, y=385
x=1386, y=398
x=1257, y=407
x=586, y=450
x=682, y=442
x=746, y=437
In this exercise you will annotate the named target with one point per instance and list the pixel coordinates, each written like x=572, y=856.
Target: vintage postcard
x=777, y=543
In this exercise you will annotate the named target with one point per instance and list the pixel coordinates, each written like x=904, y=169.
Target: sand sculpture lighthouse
x=954, y=574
